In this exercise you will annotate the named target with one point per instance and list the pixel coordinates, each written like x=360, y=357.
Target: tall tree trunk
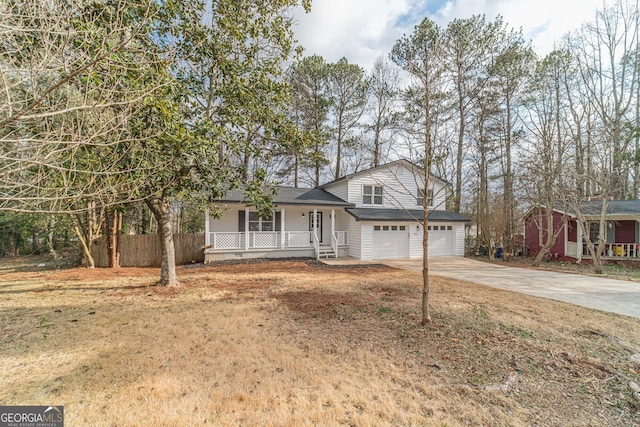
x=508, y=187
x=317, y=165
x=245, y=162
x=549, y=239
x=113, y=224
x=376, y=146
x=86, y=248
x=50, y=247
x=35, y=244
x=426, y=315
x=144, y=220
x=461, y=129
x=296, y=170
x=162, y=212
x=118, y=232
x=636, y=157
x=338, y=152
x=86, y=229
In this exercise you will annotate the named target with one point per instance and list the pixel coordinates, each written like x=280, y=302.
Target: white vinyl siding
x=355, y=239
x=340, y=190
x=415, y=240
x=227, y=223
x=459, y=240
x=366, y=241
x=399, y=189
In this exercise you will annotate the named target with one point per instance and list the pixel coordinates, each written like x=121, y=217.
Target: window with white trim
x=371, y=195
x=258, y=223
x=420, y=197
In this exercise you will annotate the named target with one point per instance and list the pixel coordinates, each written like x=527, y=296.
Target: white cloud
x=542, y=21
x=360, y=30
x=363, y=30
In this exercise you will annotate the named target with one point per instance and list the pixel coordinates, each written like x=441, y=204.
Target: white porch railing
x=572, y=249
x=270, y=240
x=264, y=239
x=334, y=244
x=297, y=239
x=617, y=250
x=227, y=240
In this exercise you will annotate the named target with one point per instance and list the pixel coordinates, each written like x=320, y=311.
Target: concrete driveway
x=616, y=296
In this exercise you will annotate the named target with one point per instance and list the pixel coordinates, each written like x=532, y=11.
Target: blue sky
x=363, y=30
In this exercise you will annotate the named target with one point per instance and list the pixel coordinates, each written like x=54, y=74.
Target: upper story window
x=371, y=195
x=420, y=197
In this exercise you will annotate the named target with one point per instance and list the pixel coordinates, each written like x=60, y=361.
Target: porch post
x=333, y=231
x=315, y=221
x=282, y=221
x=246, y=228
x=579, y=239
x=636, y=239
x=566, y=235
x=207, y=237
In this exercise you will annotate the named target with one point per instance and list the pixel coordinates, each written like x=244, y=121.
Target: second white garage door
x=441, y=240
x=390, y=241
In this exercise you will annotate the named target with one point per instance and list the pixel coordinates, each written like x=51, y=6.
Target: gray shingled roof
x=292, y=196
x=614, y=207
x=594, y=207
x=374, y=214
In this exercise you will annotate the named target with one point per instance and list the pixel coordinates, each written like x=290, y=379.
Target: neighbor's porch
x=296, y=231
x=622, y=240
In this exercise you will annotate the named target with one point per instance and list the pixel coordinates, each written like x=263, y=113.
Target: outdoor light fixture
x=302, y=215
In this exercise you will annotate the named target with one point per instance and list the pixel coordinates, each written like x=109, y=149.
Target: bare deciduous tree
x=383, y=114
x=421, y=56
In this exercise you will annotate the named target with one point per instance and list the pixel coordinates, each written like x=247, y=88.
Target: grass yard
x=295, y=343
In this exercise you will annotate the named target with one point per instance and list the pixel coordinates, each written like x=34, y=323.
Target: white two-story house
x=373, y=214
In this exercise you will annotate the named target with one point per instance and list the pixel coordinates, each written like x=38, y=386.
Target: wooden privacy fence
x=143, y=250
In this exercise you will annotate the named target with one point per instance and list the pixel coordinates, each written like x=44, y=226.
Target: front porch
x=612, y=251
x=621, y=235
x=288, y=232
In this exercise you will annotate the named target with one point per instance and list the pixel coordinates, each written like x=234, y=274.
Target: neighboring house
x=373, y=214
x=622, y=230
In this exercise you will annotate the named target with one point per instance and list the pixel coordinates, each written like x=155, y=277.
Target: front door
x=318, y=224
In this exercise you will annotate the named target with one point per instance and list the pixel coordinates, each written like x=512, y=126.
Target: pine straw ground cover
x=295, y=343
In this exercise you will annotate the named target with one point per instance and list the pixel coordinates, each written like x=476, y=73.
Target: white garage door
x=441, y=240
x=390, y=241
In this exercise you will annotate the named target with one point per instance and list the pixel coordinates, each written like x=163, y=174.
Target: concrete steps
x=326, y=252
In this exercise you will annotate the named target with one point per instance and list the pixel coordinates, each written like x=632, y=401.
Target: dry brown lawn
x=295, y=343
